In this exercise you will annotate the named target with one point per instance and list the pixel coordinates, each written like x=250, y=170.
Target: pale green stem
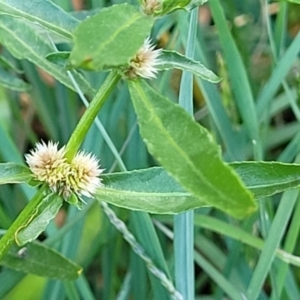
x=99, y=125
x=25, y=215
x=90, y=114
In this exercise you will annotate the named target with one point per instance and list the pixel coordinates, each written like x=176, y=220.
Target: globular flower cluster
x=144, y=63
x=80, y=176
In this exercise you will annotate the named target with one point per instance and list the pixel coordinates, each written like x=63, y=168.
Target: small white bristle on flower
x=85, y=174
x=45, y=161
x=80, y=176
x=145, y=61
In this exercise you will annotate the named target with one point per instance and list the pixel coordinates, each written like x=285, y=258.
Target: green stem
x=8, y=238
x=90, y=114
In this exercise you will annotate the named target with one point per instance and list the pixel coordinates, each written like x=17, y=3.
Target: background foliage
x=252, y=113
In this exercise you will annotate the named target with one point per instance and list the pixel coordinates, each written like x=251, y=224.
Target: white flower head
x=144, y=63
x=78, y=177
x=84, y=176
x=47, y=163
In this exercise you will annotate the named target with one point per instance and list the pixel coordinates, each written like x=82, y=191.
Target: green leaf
x=59, y=58
x=23, y=41
x=154, y=191
x=151, y=190
x=187, y=151
x=110, y=38
x=268, y=178
x=238, y=76
x=172, y=59
x=44, y=213
x=239, y=234
x=13, y=173
x=43, y=261
x=43, y=12
x=171, y=5
x=13, y=83
x=8, y=65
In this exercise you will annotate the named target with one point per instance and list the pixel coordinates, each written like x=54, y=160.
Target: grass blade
x=275, y=235
x=238, y=75
x=184, y=222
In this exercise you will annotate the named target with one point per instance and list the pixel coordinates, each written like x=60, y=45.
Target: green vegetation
x=191, y=107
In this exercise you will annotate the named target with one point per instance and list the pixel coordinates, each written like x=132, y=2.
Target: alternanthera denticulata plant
x=71, y=180
x=192, y=173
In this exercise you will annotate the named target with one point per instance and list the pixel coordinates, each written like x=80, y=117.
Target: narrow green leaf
x=184, y=222
x=187, y=151
x=9, y=152
x=13, y=83
x=22, y=220
x=154, y=191
x=218, y=277
x=290, y=245
x=293, y=1
x=275, y=235
x=13, y=173
x=151, y=190
x=23, y=41
x=268, y=178
x=44, y=12
x=171, y=5
x=8, y=65
x=44, y=213
x=43, y=261
x=59, y=58
x=110, y=38
x=277, y=76
x=241, y=235
x=237, y=74
x=172, y=59
x=145, y=234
